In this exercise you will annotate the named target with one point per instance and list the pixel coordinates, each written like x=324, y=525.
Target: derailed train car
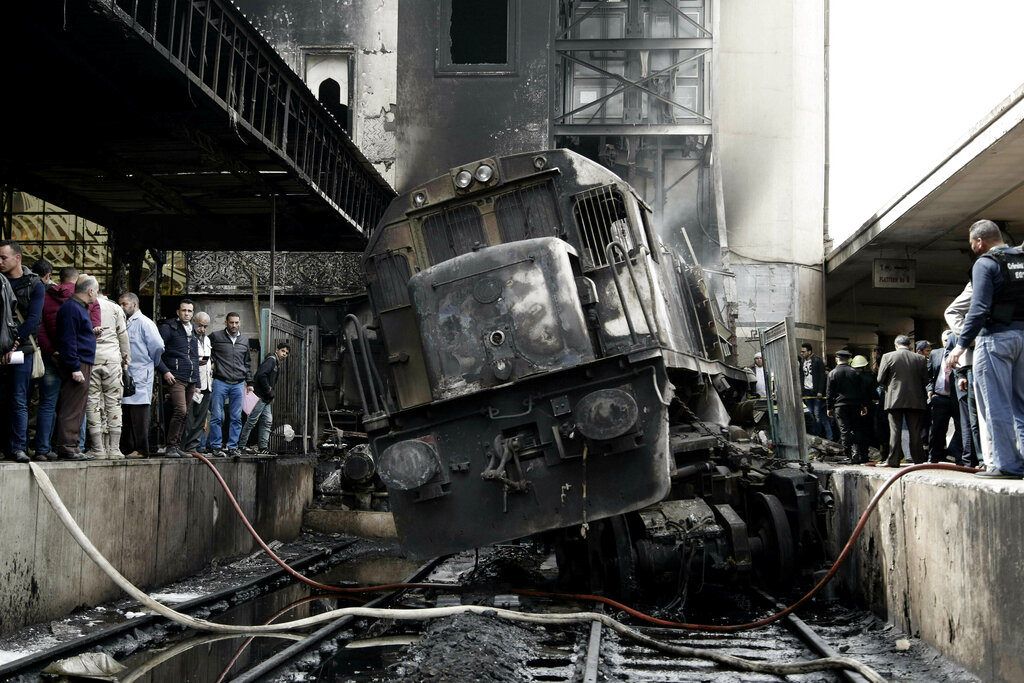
x=549, y=366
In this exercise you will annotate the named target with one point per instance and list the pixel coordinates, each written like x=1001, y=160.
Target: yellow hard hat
x=859, y=362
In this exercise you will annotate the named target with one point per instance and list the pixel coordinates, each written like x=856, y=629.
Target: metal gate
x=294, y=403
x=785, y=405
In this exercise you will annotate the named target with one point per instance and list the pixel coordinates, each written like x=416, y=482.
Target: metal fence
x=785, y=407
x=294, y=403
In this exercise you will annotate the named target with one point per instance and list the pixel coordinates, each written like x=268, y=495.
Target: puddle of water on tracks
x=198, y=658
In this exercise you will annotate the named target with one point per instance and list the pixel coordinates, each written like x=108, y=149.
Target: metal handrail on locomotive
x=550, y=366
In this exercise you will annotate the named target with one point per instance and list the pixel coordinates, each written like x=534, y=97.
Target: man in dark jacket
x=232, y=378
x=813, y=378
x=16, y=379
x=76, y=353
x=261, y=414
x=847, y=400
x=179, y=366
x=49, y=383
x=903, y=374
x=942, y=404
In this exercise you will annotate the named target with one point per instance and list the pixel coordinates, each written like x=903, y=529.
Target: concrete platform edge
x=942, y=558
x=156, y=519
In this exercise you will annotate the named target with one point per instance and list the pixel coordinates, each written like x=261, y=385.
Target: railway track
x=586, y=654
x=109, y=638
x=367, y=650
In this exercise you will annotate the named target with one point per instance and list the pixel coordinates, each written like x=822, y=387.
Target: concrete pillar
x=769, y=121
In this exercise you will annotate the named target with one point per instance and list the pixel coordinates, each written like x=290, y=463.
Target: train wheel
x=771, y=539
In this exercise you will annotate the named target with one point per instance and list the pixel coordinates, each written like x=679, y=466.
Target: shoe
x=994, y=473
x=219, y=453
x=40, y=457
x=249, y=450
x=135, y=455
x=74, y=456
x=233, y=453
x=173, y=452
x=20, y=456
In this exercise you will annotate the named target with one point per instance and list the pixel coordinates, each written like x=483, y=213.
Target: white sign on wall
x=891, y=273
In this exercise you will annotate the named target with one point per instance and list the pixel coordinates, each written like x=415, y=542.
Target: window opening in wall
x=328, y=74
x=477, y=37
x=330, y=96
x=479, y=32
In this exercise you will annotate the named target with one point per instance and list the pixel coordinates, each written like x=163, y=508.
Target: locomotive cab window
x=601, y=217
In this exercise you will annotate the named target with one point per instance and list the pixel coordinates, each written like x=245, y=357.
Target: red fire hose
x=721, y=628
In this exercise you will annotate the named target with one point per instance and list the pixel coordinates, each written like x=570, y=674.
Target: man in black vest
x=995, y=322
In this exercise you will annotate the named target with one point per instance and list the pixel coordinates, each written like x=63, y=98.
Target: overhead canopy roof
x=173, y=123
x=982, y=177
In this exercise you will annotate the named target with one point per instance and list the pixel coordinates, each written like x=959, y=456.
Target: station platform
x=942, y=558
x=155, y=519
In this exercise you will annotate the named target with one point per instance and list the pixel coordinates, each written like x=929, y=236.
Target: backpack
x=8, y=327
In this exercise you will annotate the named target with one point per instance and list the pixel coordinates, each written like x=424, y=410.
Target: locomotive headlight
x=419, y=199
x=462, y=179
x=484, y=173
x=407, y=464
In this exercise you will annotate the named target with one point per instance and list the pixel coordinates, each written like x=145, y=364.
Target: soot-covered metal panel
x=447, y=116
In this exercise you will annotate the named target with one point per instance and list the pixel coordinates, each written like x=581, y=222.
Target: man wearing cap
x=760, y=385
x=903, y=374
x=847, y=402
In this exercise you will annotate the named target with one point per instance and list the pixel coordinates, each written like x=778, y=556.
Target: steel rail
x=258, y=586
x=807, y=635
x=294, y=651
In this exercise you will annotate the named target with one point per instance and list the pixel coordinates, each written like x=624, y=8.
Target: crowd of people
x=974, y=379
x=93, y=361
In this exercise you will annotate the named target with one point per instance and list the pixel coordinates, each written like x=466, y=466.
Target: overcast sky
x=909, y=79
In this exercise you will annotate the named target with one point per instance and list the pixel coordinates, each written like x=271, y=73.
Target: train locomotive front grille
x=528, y=212
x=601, y=218
x=453, y=232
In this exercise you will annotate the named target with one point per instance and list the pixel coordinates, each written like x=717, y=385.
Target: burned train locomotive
x=545, y=363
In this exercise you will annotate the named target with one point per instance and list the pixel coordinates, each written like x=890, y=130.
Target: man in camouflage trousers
x=106, y=384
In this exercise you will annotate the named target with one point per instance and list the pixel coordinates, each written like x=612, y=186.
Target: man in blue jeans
x=262, y=414
x=813, y=378
x=16, y=379
x=995, y=322
x=232, y=379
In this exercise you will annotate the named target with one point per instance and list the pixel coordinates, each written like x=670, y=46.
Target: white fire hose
x=423, y=614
